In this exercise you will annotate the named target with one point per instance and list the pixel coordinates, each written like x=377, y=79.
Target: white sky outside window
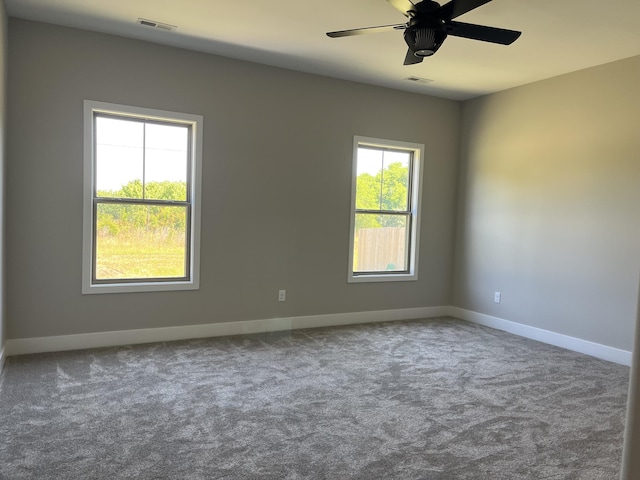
x=128, y=150
x=373, y=161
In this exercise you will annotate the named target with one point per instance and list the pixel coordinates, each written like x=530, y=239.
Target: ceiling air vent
x=418, y=80
x=158, y=25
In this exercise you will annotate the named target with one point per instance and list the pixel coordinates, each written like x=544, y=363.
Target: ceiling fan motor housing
x=424, y=41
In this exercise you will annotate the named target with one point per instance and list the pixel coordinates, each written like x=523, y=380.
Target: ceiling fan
x=429, y=24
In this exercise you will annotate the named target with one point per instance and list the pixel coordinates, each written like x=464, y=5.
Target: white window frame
x=415, y=208
x=196, y=123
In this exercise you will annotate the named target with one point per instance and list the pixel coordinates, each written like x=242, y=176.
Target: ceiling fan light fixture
x=423, y=41
x=423, y=53
x=425, y=38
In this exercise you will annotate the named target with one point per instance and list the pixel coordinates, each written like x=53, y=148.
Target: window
x=385, y=203
x=141, y=199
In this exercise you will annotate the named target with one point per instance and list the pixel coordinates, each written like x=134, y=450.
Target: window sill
x=139, y=287
x=409, y=277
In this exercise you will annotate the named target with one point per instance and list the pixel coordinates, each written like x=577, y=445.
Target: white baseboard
x=21, y=346
x=60, y=343
x=2, y=359
x=604, y=352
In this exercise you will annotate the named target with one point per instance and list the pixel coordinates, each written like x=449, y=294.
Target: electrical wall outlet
x=282, y=295
x=497, y=297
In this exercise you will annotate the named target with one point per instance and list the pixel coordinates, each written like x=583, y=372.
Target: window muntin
x=142, y=187
x=385, y=203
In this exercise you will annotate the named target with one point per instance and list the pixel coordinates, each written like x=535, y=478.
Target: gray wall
x=276, y=183
x=549, y=209
x=631, y=455
x=3, y=130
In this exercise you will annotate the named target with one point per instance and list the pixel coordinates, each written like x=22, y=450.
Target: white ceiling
x=559, y=36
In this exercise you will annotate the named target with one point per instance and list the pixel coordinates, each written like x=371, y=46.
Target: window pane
x=368, y=179
x=395, y=180
x=140, y=241
x=380, y=243
x=166, y=154
x=119, y=158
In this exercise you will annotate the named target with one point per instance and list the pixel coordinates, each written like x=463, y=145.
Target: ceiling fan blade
x=482, y=33
x=455, y=8
x=402, y=5
x=363, y=31
x=411, y=59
